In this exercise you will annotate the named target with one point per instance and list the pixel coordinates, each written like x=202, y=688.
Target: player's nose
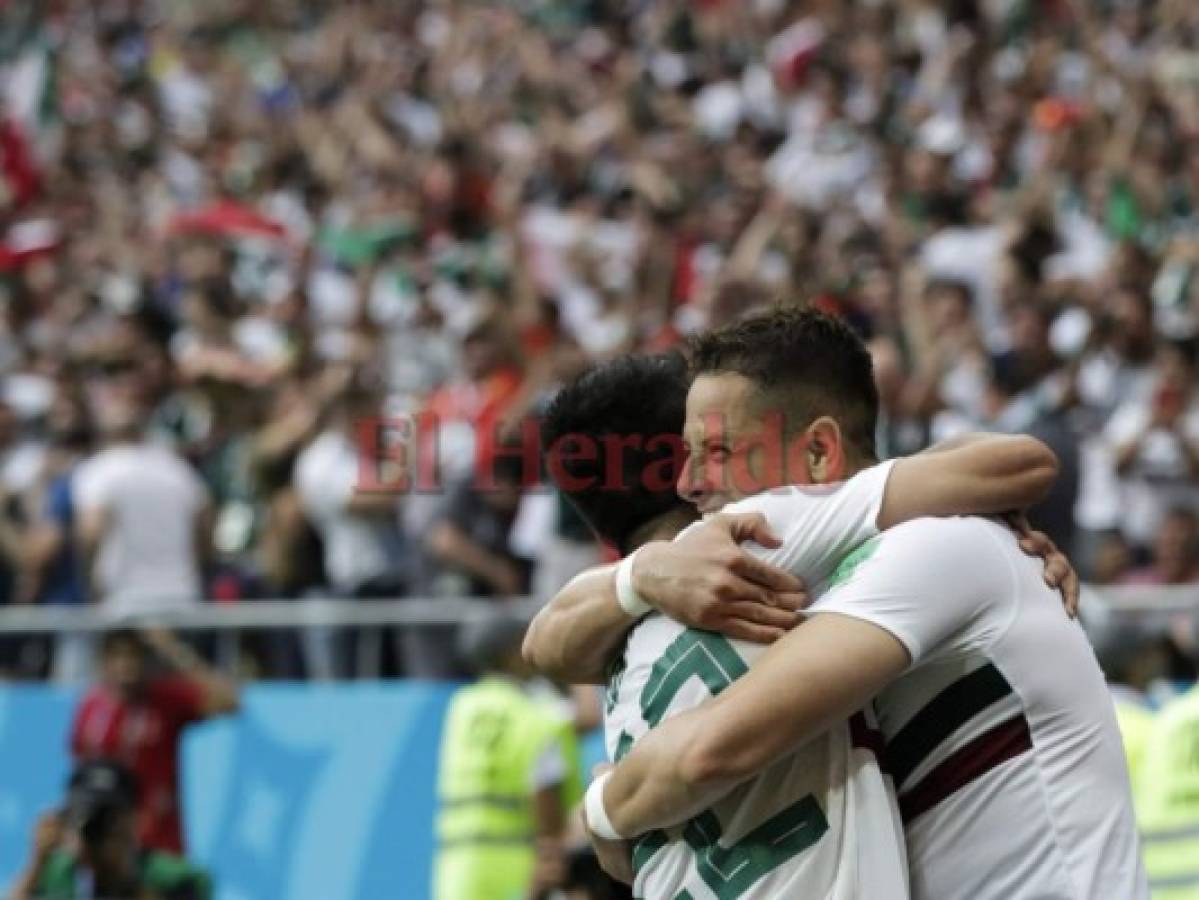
x=691, y=486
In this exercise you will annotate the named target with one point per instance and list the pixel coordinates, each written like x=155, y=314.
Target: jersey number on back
x=727, y=871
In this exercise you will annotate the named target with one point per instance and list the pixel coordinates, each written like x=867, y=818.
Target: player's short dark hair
x=640, y=398
x=807, y=363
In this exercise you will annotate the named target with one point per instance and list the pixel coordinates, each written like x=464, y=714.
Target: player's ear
x=825, y=451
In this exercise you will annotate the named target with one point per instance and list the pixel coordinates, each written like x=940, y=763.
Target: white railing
x=1144, y=600
x=248, y=615
x=315, y=619
x=1104, y=608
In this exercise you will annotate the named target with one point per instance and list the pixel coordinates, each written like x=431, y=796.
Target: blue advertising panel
x=313, y=792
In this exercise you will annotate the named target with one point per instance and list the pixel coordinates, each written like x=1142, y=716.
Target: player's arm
x=864, y=633
x=813, y=678
x=975, y=474
x=710, y=583
x=573, y=637
x=983, y=474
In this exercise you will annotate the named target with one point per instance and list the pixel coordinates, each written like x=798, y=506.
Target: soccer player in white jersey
x=999, y=731
x=821, y=821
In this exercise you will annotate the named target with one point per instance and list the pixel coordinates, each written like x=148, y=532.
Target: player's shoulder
x=787, y=496
x=953, y=529
x=784, y=494
x=942, y=547
x=782, y=505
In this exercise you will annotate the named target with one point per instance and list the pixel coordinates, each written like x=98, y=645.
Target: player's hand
x=706, y=580
x=615, y=857
x=1059, y=573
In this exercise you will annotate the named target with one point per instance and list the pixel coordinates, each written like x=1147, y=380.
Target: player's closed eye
x=716, y=452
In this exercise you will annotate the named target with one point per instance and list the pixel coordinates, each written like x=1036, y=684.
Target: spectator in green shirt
x=89, y=849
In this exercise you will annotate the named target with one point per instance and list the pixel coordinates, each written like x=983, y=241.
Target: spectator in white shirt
x=364, y=549
x=1156, y=445
x=359, y=527
x=143, y=519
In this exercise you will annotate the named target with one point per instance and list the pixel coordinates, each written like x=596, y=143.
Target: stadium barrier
x=228, y=621
x=320, y=790
x=311, y=792
x=248, y=615
x=1103, y=608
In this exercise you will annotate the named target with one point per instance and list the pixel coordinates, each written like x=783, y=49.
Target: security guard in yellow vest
x=1136, y=726
x=1168, y=801
x=508, y=776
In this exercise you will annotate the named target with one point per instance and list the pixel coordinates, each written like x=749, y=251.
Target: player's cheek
x=716, y=473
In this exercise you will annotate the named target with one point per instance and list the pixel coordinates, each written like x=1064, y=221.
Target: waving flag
x=229, y=219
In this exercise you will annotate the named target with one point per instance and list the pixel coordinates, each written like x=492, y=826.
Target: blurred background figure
x=469, y=545
x=151, y=687
x=365, y=555
x=90, y=847
x=58, y=576
x=470, y=551
x=364, y=552
x=1156, y=443
x=1168, y=807
x=143, y=519
x=508, y=775
x=1174, y=556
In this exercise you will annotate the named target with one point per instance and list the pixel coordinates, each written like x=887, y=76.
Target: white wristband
x=626, y=595
x=594, y=812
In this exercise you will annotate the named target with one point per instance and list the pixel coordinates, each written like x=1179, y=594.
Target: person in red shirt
x=136, y=716
x=480, y=401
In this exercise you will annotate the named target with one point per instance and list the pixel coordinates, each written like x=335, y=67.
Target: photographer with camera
x=151, y=687
x=89, y=850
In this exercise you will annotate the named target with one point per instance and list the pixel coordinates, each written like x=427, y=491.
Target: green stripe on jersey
x=700, y=653
x=731, y=871
x=623, y=745
x=646, y=846
x=849, y=564
x=728, y=871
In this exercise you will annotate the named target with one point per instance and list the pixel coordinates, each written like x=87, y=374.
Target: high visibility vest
x=1168, y=801
x=1136, y=727
x=493, y=737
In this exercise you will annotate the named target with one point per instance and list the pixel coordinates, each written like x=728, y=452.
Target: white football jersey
x=820, y=823
x=1001, y=736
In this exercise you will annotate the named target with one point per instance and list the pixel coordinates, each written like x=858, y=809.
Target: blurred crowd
x=232, y=232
